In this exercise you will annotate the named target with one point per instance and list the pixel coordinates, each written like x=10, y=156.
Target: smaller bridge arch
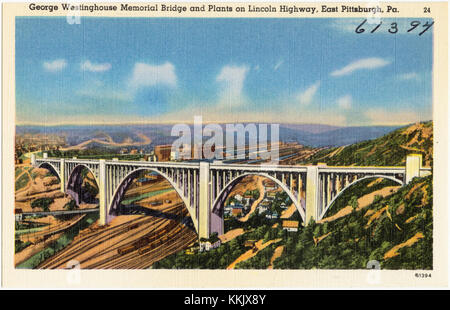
x=218, y=204
x=126, y=181
x=75, y=180
x=353, y=183
x=49, y=166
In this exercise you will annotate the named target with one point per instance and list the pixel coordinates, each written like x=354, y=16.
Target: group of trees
x=351, y=242
x=71, y=205
x=387, y=150
x=42, y=203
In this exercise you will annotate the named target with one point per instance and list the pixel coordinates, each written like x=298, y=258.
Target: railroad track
x=149, y=227
x=95, y=239
x=118, y=257
x=88, y=242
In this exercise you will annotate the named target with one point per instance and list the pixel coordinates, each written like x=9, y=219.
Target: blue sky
x=150, y=70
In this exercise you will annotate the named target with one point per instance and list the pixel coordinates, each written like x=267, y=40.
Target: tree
x=42, y=203
x=354, y=202
x=71, y=205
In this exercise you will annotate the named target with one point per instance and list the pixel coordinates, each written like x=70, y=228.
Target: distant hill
x=388, y=150
x=320, y=136
x=115, y=136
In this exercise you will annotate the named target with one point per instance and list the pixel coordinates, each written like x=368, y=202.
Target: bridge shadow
x=133, y=209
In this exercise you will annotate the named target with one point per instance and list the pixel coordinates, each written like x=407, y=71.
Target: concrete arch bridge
x=204, y=186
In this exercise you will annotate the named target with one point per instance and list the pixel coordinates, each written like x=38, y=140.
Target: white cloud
x=89, y=66
x=409, y=76
x=366, y=63
x=347, y=25
x=55, y=65
x=306, y=97
x=345, y=102
x=278, y=65
x=145, y=75
x=232, y=78
x=100, y=93
x=380, y=116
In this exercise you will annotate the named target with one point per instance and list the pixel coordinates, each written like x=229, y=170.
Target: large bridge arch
x=387, y=177
x=119, y=192
x=75, y=180
x=50, y=167
x=218, y=205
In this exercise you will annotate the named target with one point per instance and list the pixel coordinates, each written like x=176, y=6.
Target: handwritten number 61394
x=393, y=27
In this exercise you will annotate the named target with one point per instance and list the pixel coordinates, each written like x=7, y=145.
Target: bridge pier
x=63, y=175
x=204, y=208
x=312, y=193
x=413, y=166
x=102, y=193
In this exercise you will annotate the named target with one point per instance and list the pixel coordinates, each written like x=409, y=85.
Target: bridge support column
x=312, y=193
x=62, y=173
x=413, y=165
x=102, y=192
x=33, y=160
x=204, y=208
x=299, y=186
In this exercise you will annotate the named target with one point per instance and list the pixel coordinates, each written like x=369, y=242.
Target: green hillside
x=388, y=150
x=396, y=230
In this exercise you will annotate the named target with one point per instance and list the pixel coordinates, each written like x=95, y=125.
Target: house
x=269, y=185
x=263, y=206
x=208, y=245
x=291, y=226
x=272, y=215
x=248, y=196
x=238, y=197
x=271, y=195
x=227, y=210
x=211, y=243
x=236, y=211
x=248, y=199
x=249, y=243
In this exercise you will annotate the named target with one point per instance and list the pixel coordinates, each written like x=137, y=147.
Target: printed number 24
x=426, y=10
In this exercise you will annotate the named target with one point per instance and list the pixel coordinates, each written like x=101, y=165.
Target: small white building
x=272, y=215
x=291, y=226
x=262, y=208
x=206, y=245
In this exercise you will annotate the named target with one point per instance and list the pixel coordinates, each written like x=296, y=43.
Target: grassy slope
x=353, y=241
x=388, y=150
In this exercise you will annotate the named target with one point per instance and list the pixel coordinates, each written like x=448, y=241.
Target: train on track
x=149, y=242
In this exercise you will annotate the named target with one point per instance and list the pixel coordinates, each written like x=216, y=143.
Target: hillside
x=33, y=184
x=395, y=229
x=388, y=150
